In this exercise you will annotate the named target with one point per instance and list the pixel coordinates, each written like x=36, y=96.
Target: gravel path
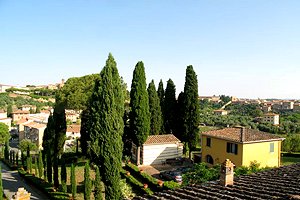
x=12, y=181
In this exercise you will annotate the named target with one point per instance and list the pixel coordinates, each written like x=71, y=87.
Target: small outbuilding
x=157, y=149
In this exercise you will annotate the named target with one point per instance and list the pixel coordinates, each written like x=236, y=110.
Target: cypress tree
x=63, y=175
x=22, y=158
x=35, y=167
x=155, y=110
x=49, y=166
x=191, y=109
x=98, y=186
x=139, y=103
x=107, y=109
x=1, y=185
x=59, y=118
x=161, y=96
x=180, y=117
x=6, y=151
x=84, y=133
x=170, y=108
x=17, y=158
x=87, y=182
x=73, y=181
x=40, y=165
x=30, y=164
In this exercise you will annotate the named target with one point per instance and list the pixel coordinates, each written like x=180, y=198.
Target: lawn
x=289, y=160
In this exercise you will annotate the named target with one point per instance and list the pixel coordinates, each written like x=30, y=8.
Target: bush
x=171, y=185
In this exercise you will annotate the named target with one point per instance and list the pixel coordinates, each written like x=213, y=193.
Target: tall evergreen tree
x=179, y=133
x=6, y=151
x=155, y=110
x=9, y=110
x=1, y=185
x=49, y=166
x=40, y=165
x=191, y=109
x=84, y=132
x=139, y=103
x=35, y=167
x=106, y=130
x=73, y=181
x=161, y=96
x=170, y=108
x=63, y=175
x=87, y=182
x=59, y=118
x=98, y=186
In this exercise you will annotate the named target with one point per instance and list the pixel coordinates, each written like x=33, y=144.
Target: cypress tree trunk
x=98, y=186
x=30, y=164
x=73, y=181
x=87, y=182
x=6, y=151
x=17, y=159
x=1, y=186
x=22, y=158
x=28, y=151
x=55, y=174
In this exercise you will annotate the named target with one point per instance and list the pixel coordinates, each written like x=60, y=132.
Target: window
x=208, y=142
x=209, y=159
x=272, y=147
x=232, y=148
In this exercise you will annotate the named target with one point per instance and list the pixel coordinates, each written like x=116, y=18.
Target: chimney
x=243, y=134
x=226, y=176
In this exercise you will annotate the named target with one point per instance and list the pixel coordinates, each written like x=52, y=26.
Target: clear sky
x=244, y=48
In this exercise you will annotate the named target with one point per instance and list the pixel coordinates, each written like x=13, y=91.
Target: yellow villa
x=241, y=146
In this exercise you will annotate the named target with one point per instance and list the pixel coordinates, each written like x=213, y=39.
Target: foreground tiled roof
x=278, y=183
x=242, y=135
x=162, y=139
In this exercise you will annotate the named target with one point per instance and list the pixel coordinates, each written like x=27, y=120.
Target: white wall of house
x=158, y=153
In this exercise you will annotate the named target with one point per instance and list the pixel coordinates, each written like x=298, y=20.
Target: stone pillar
x=227, y=174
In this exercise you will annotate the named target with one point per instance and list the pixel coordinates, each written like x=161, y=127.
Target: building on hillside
x=220, y=112
x=19, y=114
x=3, y=114
x=287, y=105
x=277, y=106
x=20, y=127
x=276, y=183
x=215, y=99
x=158, y=148
x=296, y=107
x=72, y=135
x=28, y=108
x=34, y=131
x=3, y=88
x=4, y=119
x=242, y=146
x=266, y=108
x=271, y=118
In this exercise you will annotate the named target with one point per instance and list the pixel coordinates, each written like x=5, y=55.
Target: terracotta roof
x=242, y=135
x=74, y=128
x=21, y=112
x=35, y=125
x=162, y=139
x=277, y=183
x=270, y=114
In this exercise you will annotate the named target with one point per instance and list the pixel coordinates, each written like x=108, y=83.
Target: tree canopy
x=4, y=133
x=170, y=108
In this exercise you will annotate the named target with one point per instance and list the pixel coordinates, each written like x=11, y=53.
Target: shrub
x=171, y=185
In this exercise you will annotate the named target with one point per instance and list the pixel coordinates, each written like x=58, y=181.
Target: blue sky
x=244, y=48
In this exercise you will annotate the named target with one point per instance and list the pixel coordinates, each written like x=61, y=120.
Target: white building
x=271, y=118
x=158, y=148
x=220, y=112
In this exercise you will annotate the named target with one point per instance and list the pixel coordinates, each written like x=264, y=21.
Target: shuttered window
x=272, y=147
x=232, y=148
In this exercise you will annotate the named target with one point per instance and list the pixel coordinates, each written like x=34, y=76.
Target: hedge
x=44, y=186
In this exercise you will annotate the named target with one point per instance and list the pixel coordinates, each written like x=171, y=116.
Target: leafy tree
x=9, y=110
x=59, y=118
x=63, y=175
x=139, y=104
x=1, y=185
x=155, y=110
x=191, y=109
x=107, y=109
x=98, y=186
x=87, y=182
x=26, y=144
x=225, y=99
x=4, y=133
x=170, y=108
x=73, y=181
x=40, y=165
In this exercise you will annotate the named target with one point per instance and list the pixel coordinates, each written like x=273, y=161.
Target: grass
x=289, y=160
